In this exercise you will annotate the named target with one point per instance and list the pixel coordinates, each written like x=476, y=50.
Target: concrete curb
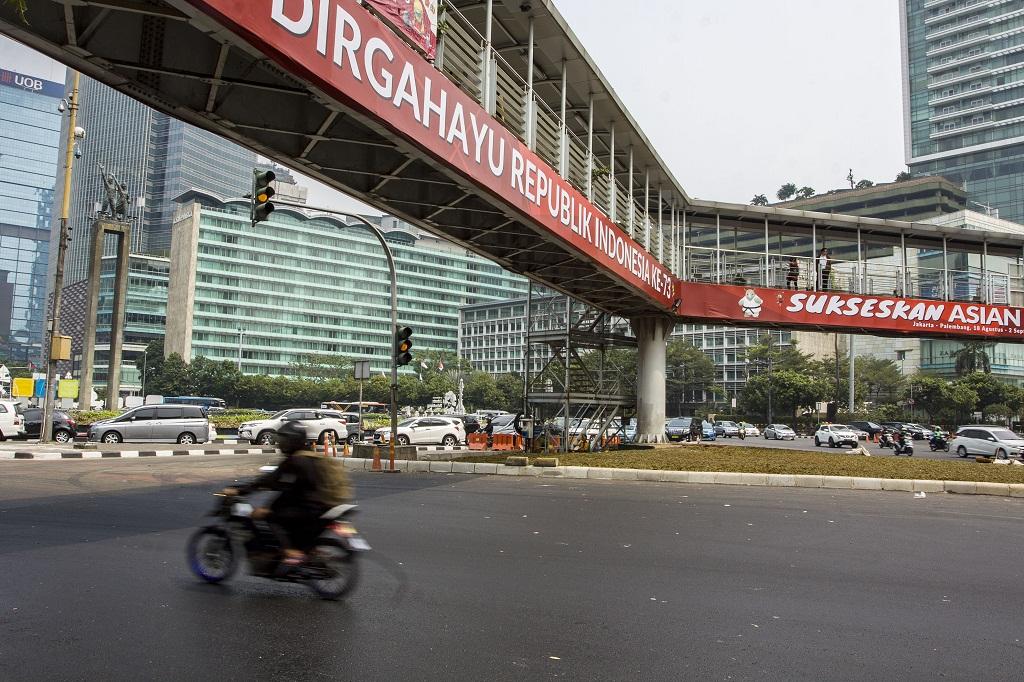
x=708, y=477
x=101, y=454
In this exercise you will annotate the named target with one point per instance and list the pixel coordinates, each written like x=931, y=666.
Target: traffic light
x=261, y=206
x=403, y=344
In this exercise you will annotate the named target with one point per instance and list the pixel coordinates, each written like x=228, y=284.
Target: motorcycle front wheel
x=333, y=570
x=211, y=555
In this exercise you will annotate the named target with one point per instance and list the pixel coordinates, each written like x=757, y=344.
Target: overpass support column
x=652, y=337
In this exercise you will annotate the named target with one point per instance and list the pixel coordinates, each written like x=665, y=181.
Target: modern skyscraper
x=30, y=128
x=157, y=157
x=963, y=90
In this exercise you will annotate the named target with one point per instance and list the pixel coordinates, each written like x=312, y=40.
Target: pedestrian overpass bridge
x=513, y=144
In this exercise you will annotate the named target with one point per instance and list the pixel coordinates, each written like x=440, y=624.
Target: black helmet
x=291, y=437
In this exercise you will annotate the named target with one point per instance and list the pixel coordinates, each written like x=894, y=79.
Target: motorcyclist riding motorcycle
x=902, y=447
x=939, y=441
x=886, y=441
x=309, y=484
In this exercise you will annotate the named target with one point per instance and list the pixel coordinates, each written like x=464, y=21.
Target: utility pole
x=853, y=396
x=46, y=430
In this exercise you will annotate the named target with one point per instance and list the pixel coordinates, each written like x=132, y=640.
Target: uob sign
x=33, y=84
x=21, y=81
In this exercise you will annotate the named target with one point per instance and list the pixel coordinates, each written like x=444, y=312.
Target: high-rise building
x=31, y=87
x=157, y=157
x=304, y=283
x=963, y=90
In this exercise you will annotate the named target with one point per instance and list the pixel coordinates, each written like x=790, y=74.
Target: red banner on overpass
x=351, y=55
x=884, y=315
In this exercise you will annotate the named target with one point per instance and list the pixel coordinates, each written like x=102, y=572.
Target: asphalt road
x=493, y=578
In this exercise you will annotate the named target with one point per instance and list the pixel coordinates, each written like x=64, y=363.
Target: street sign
x=361, y=369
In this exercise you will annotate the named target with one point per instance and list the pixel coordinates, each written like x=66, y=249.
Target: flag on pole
x=424, y=364
x=440, y=365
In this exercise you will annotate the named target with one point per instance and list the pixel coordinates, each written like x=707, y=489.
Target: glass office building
x=963, y=74
x=30, y=133
x=157, y=157
x=304, y=284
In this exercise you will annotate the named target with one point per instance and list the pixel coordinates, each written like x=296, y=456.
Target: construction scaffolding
x=584, y=393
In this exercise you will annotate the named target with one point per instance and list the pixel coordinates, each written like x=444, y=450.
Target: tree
x=880, y=378
x=864, y=184
x=790, y=391
x=759, y=200
x=931, y=394
x=903, y=176
x=779, y=356
x=688, y=370
x=805, y=193
x=972, y=356
x=990, y=390
x=786, y=191
x=323, y=366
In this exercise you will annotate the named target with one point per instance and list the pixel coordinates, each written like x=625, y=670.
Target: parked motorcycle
x=939, y=442
x=330, y=567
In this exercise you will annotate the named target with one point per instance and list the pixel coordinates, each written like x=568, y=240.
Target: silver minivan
x=185, y=424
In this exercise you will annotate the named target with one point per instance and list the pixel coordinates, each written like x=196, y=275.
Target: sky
x=739, y=96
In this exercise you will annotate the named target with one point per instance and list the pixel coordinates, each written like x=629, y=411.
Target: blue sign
x=13, y=79
x=40, y=389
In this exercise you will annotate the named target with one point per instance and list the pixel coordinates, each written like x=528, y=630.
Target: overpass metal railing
x=749, y=268
x=462, y=54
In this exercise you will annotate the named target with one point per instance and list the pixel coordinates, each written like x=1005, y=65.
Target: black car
x=678, y=428
x=915, y=431
x=470, y=422
x=870, y=428
x=64, y=427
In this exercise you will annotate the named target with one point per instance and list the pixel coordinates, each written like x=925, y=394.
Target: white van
x=12, y=424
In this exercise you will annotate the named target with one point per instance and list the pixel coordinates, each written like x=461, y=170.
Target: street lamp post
x=394, y=321
x=74, y=133
x=144, y=365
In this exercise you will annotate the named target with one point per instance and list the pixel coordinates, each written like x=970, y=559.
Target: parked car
x=318, y=424
x=835, y=435
x=870, y=428
x=779, y=432
x=990, y=441
x=727, y=429
x=749, y=429
x=12, y=424
x=677, y=429
x=861, y=434
x=425, y=431
x=184, y=424
x=915, y=431
x=707, y=430
x=64, y=427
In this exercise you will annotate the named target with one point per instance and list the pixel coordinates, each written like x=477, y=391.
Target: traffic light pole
x=394, y=324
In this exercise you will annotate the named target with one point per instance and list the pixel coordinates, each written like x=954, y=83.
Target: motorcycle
x=330, y=567
x=939, y=442
x=886, y=441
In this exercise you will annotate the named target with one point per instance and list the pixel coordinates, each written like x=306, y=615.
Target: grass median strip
x=771, y=461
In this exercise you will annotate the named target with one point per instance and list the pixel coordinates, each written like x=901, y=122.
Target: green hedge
x=86, y=417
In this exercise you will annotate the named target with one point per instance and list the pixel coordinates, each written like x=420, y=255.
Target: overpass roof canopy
x=920, y=235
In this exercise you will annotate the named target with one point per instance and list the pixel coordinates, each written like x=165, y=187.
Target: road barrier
x=477, y=441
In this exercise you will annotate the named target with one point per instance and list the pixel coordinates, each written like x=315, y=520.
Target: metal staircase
x=582, y=387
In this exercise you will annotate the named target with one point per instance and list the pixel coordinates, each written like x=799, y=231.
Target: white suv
x=12, y=424
x=317, y=424
x=835, y=435
x=991, y=441
x=425, y=430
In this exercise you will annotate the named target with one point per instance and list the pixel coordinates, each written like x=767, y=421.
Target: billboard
x=342, y=48
x=841, y=311
x=417, y=19
x=31, y=84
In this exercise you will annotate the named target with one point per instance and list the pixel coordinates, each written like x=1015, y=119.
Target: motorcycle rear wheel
x=338, y=568
x=211, y=555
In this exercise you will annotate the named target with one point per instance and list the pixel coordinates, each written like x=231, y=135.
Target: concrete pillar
x=652, y=338
x=117, y=318
x=92, y=304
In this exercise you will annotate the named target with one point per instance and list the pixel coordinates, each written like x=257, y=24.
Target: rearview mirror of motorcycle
x=268, y=469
